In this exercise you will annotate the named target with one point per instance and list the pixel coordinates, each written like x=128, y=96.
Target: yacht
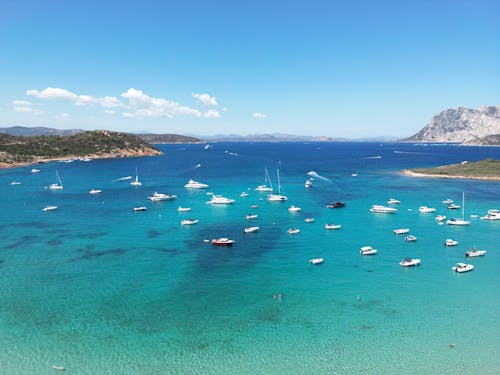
x=308, y=184
x=222, y=242
x=393, y=201
x=95, y=191
x=49, y=208
x=335, y=205
x=453, y=206
x=141, y=208
x=401, y=231
x=189, y=221
x=267, y=179
x=493, y=211
x=309, y=220
x=440, y=217
x=294, y=209
x=409, y=262
x=244, y=194
x=460, y=222
x=157, y=197
x=462, y=267
x=293, y=231
x=277, y=197
x=34, y=170
x=15, y=183
x=58, y=185
x=192, y=184
x=383, y=209
x=475, y=253
x=426, y=210
x=184, y=209
x=368, y=250
x=450, y=242
x=251, y=229
x=219, y=199
x=448, y=201
x=136, y=182
x=333, y=226
x=316, y=261
x=251, y=216
x=410, y=238
x=491, y=217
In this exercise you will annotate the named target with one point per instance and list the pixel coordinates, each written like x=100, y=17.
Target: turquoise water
x=99, y=289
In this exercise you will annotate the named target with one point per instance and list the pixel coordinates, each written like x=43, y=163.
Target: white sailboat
x=461, y=221
x=266, y=180
x=136, y=182
x=58, y=185
x=277, y=197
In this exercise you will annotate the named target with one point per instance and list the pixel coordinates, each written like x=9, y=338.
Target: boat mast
x=463, y=204
x=279, y=185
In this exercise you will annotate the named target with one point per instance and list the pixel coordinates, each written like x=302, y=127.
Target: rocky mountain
x=25, y=131
x=460, y=125
x=489, y=140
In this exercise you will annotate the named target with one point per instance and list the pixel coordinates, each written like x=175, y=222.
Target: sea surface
x=99, y=289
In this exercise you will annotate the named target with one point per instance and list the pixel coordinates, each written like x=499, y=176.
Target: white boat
x=157, y=197
x=141, y=208
x=95, y=191
x=401, y=230
x=426, y=210
x=189, y=221
x=491, y=217
x=58, y=185
x=354, y=174
x=410, y=238
x=251, y=216
x=34, y=170
x=409, y=262
x=333, y=226
x=207, y=146
x=440, y=217
x=475, y=253
x=219, y=199
x=309, y=220
x=308, y=184
x=277, y=197
x=459, y=222
x=453, y=206
x=222, y=242
x=267, y=179
x=448, y=201
x=49, y=208
x=251, y=229
x=462, y=267
x=184, y=209
x=192, y=184
x=316, y=261
x=294, y=209
x=393, y=201
x=58, y=368
x=493, y=211
x=450, y=242
x=293, y=230
x=368, y=250
x=244, y=194
x=85, y=159
x=136, y=182
x=377, y=208
x=15, y=183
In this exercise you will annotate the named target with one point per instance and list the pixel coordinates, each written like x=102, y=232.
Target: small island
x=487, y=169
x=17, y=151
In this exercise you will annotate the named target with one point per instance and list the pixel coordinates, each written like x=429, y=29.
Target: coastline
x=410, y=173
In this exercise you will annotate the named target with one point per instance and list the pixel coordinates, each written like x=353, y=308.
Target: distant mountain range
x=24, y=131
x=462, y=125
x=280, y=137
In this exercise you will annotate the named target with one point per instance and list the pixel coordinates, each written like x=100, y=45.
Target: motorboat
x=50, y=208
x=354, y=174
x=491, y=217
x=222, y=242
x=136, y=182
x=34, y=170
x=244, y=194
x=410, y=238
x=308, y=184
x=333, y=226
x=95, y=191
x=192, y=184
x=426, y=210
x=462, y=267
x=15, y=183
x=448, y=201
x=309, y=220
x=58, y=368
x=493, y=211
x=401, y=231
x=189, y=221
x=368, y=250
x=183, y=209
x=475, y=253
x=254, y=206
x=277, y=197
x=293, y=231
x=450, y=242
x=409, y=262
x=251, y=229
x=316, y=261
x=141, y=208
x=251, y=216
x=294, y=209
x=219, y=199
x=157, y=197
x=453, y=206
x=57, y=185
x=377, y=208
x=459, y=222
x=267, y=180
x=440, y=217
x=335, y=205
x=393, y=201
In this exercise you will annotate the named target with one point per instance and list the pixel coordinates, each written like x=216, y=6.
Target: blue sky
x=334, y=68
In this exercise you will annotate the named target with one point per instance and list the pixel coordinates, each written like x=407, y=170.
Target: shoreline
x=410, y=173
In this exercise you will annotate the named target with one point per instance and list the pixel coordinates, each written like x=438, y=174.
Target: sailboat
x=58, y=185
x=266, y=180
x=459, y=221
x=277, y=197
x=136, y=182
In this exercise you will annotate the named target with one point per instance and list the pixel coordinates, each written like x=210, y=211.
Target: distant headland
x=487, y=169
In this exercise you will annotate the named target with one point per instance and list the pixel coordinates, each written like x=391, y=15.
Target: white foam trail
x=197, y=165
x=123, y=179
x=316, y=175
x=373, y=157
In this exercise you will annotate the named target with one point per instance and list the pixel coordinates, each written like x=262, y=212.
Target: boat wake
x=372, y=157
x=317, y=176
x=123, y=179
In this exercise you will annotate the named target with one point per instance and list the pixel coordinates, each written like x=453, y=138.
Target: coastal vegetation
x=17, y=150
x=168, y=138
x=483, y=169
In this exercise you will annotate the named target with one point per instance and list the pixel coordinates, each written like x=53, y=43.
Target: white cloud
x=205, y=99
x=23, y=103
x=259, y=115
x=55, y=93
x=212, y=113
x=30, y=110
x=109, y=112
x=224, y=109
x=142, y=105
